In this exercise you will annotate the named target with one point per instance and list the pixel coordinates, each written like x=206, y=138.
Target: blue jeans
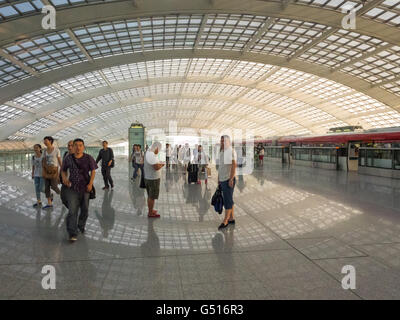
x=76, y=201
x=227, y=193
x=39, y=186
x=136, y=166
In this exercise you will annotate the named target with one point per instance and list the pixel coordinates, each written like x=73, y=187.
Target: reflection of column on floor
x=137, y=197
x=204, y=204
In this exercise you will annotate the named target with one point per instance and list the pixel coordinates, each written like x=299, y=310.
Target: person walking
x=174, y=157
x=187, y=156
x=132, y=159
x=202, y=161
x=37, y=175
x=168, y=153
x=79, y=186
x=152, y=177
x=261, y=156
x=51, y=163
x=106, y=155
x=226, y=178
x=138, y=159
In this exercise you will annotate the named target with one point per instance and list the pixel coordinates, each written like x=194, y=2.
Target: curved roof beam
x=15, y=90
x=73, y=16
x=47, y=110
x=134, y=115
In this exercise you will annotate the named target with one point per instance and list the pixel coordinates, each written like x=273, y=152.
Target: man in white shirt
x=152, y=177
x=226, y=178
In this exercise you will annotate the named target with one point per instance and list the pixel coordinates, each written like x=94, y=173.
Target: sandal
x=223, y=226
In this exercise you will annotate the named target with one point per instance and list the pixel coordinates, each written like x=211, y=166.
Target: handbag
x=208, y=172
x=49, y=172
x=92, y=193
x=217, y=200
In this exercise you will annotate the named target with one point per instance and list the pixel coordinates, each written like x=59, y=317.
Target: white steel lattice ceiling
x=276, y=67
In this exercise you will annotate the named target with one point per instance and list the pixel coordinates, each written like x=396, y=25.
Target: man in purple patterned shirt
x=79, y=185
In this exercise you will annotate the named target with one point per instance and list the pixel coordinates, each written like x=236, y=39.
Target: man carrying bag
x=79, y=187
x=106, y=155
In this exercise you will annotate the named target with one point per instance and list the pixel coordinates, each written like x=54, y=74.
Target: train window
x=362, y=158
x=397, y=159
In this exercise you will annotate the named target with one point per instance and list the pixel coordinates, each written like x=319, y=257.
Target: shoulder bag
x=49, y=172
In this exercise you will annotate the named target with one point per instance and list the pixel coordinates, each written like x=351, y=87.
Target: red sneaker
x=153, y=215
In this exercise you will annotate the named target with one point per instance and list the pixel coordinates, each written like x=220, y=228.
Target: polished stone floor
x=295, y=230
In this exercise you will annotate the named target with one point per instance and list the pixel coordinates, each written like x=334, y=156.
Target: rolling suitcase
x=193, y=171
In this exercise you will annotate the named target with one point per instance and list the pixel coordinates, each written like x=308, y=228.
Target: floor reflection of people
x=137, y=197
x=222, y=244
x=152, y=245
x=107, y=217
x=241, y=184
x=68, y=271
x=204, y=204
x=168, y=179
x=192, y=192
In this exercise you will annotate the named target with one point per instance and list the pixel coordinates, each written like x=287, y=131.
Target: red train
x=365, y=152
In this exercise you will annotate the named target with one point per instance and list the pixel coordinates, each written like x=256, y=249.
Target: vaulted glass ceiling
x=277, y=74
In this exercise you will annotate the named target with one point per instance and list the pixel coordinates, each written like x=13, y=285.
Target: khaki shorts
x=153, y=188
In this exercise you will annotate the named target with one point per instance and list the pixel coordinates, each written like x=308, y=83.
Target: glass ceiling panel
x=229, y=31
x=358, y=103
x=11, y=9
x=8, y=113
x=47, y=52
x=36, y=126
x=245, y=70
x=325, y=89
x=381, y=67
x=68, y=112
x=38, y=98
x=222, y=31
x=11, y=73
x=393, y=87
x=285, y=36
x=83, y=82
x=65, y=132
x=340, y=48
x=383, y=120
x=288, y=78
